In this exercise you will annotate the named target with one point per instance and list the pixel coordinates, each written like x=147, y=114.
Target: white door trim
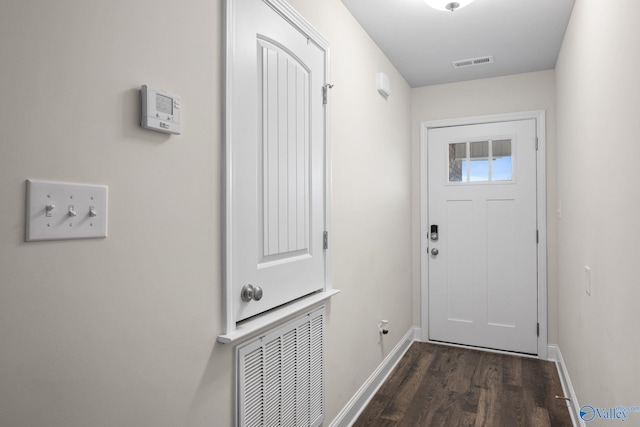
x=539, y=117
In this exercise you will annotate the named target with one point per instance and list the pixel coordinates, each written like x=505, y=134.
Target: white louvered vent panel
x=317, y=362
x=289, y=369
x=272, y=383
x=281, y=375
x=253, y=396
x=304, y=377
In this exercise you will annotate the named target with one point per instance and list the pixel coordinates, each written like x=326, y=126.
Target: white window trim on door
x=233, y=332
x=539, y=117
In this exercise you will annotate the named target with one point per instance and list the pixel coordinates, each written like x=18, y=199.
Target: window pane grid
x=480, y=161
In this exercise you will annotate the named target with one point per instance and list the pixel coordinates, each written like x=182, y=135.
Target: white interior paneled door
x=276, y=201
x=482, y=264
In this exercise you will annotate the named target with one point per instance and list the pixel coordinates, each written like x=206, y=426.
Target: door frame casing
x=541, y=209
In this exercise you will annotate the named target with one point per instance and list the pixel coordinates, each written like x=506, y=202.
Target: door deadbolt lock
x=434, y=233
x=250, y=292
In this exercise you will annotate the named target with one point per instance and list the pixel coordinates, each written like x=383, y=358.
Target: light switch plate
x=63, y=210
x=587, y=279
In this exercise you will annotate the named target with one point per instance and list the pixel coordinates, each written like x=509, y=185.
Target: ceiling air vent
x=472, y=62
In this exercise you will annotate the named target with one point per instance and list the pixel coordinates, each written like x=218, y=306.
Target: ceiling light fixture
x=448, y=5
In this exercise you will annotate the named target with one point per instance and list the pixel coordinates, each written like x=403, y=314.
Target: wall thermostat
x=160, y=110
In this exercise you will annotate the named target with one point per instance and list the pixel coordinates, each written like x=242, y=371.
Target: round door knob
x=435, y=251
x=247, y=292
x=250, y=292
x=257, y=293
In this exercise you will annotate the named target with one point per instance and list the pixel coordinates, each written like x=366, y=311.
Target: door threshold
x=485, y=349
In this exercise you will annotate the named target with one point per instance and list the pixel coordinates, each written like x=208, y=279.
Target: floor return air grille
x=281, y=375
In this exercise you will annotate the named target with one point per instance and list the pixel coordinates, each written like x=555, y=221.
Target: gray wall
x=122, y=331
x=598, y=150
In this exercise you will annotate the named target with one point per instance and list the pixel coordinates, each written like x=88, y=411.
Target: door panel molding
x=281, y=240
x=539, y=117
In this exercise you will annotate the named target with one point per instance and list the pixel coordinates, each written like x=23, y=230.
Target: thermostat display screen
x=164, y=104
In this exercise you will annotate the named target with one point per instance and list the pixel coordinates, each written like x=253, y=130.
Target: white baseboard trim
x=567, y=387
x=359, y=401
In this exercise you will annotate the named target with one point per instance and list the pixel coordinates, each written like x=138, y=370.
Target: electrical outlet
x=383, y=327
x=62, y=210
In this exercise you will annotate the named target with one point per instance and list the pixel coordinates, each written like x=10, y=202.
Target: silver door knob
x=250, y=292
x=247, y=292
x=435, y=251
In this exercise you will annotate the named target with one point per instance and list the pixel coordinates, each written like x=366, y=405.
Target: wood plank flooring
x=437, y=385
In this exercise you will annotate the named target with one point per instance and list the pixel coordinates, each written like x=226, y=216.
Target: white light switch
x=587, y=277
x=62, y=210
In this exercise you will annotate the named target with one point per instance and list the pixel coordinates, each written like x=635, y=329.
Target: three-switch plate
x=63, y=210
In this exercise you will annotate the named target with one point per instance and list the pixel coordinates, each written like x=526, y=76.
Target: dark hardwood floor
x=437, y=385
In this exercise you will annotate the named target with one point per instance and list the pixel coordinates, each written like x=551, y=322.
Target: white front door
x=483, y=260
x=276, y=134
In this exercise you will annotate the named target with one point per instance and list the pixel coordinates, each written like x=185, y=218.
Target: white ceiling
x=422, y=43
